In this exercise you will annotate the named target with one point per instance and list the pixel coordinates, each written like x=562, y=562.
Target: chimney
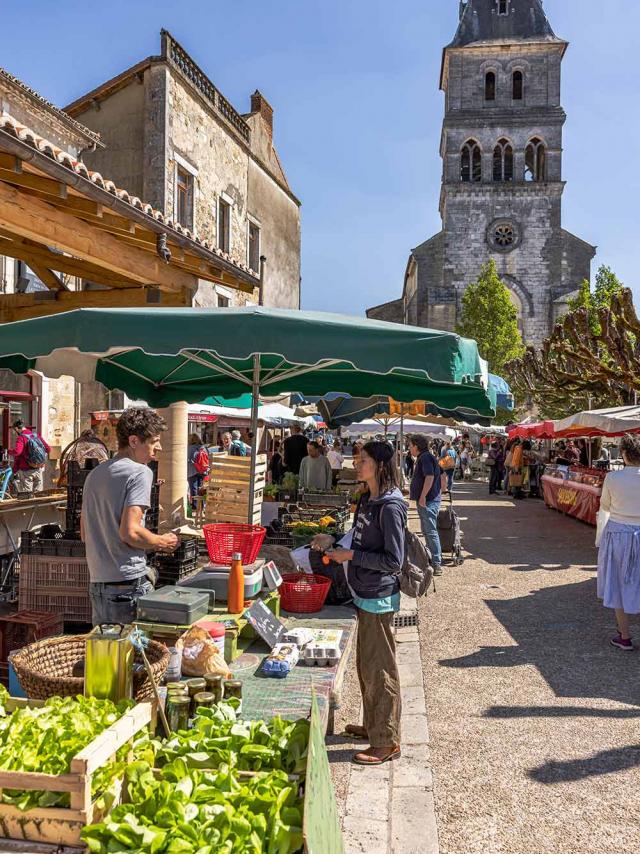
x=259, y=104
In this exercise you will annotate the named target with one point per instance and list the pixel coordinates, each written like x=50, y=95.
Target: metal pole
x=401, y=445
x=255, y=399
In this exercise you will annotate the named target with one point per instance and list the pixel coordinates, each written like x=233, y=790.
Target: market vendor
x=315, y=469
x=116, y=496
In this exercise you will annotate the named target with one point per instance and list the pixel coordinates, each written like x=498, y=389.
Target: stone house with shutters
x=171, y=137
x=502, y=185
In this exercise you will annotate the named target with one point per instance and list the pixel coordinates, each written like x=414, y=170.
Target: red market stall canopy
x=538, y=430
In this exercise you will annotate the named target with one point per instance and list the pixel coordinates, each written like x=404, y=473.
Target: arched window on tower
x=490, y=86
x=535, y=161
x=517, y=86
x=471, y=162
x=503, y=7
x=503, y=161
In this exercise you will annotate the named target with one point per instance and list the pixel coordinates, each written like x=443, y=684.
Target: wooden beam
x=32, y=218
x=10, y=162
x=24, y=306
x=48, y=277
x=61, y=263
x=34, y=182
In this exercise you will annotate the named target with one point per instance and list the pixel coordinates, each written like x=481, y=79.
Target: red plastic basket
x=224, y=539
x=302, y=593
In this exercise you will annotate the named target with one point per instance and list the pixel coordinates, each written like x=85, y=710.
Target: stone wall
x=120, y=122
x=391, y=311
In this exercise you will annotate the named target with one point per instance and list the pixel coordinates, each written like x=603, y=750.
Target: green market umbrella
x=166, y=355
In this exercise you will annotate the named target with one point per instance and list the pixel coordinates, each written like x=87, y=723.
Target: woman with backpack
x=197, y=466
x=375, y=561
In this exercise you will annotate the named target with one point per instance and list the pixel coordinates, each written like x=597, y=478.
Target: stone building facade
x=172, y=137
x=502, y=185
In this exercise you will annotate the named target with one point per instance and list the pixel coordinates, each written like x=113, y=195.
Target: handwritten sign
x=265, y=623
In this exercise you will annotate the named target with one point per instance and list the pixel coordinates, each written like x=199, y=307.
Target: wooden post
x=173, y=466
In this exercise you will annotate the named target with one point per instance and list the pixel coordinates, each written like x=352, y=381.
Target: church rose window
x=471, y=162
x=535, y=165
x=504, y=235
x=490, y=86
x=503, y=161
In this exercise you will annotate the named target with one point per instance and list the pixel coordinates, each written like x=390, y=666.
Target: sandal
x=377, y=755
x=356, y=731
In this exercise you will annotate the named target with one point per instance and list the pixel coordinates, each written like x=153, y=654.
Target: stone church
x=502, y=186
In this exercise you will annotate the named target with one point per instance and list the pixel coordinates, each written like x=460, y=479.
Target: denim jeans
x=117, y=603
x=429, y=524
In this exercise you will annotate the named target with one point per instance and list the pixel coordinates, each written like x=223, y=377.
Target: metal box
x=176, y=605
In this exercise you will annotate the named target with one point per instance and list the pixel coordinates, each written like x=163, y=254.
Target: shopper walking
x=425, y=490
x=29, y=459
x=619, y=554
x=496, y=469
x=115, y=498
x=336, y=461
x=448, y=463
x=315, y=469
x=197, y=466
x=294, y=449
x=375, y=562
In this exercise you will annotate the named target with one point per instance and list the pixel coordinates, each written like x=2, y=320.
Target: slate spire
x=487, y=20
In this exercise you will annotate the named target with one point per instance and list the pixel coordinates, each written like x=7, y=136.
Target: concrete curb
x=391, y=808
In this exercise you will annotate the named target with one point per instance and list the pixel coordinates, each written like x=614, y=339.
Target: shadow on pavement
x=564, y=632
x=508, y=712
x=605, y=762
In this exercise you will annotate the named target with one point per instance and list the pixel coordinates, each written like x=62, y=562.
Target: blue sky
x=354, y=84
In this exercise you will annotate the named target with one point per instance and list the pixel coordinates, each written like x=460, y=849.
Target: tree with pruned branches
x=590, y=360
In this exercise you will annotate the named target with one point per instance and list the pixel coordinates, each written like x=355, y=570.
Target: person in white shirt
x=619, y=555
x=336, y=460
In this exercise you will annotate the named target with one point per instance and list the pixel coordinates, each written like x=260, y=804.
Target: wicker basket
x=45, y=669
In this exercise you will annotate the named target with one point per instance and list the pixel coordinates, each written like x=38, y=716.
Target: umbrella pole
x=255, y=399
x=401, y=446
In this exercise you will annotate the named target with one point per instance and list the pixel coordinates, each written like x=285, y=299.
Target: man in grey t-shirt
x=115, y=498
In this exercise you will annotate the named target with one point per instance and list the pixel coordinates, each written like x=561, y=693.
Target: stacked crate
x=53, y=581
x=172, y=568
x=24, y=627
x=228, y=489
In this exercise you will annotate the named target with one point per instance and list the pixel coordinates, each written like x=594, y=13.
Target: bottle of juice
x=235, y=594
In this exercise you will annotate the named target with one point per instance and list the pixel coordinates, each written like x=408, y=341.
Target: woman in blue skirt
x=619, y=556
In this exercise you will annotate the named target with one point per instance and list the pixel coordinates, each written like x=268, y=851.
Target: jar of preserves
x=215, y=684
x=177, y=712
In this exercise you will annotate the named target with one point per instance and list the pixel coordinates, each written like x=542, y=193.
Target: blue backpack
x=36, y=453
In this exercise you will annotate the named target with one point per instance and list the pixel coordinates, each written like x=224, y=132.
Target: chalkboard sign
x=321, y=826
x=266, y=624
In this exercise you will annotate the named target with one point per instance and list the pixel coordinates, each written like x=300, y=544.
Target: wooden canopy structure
x=64, y=221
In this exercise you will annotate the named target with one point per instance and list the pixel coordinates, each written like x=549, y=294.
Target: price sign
x=266, y=624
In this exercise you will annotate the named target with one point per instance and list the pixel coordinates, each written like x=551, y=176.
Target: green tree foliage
x=489, y=317
x=592, y=357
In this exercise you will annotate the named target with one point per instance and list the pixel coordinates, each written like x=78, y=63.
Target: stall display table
x=21, y=514
x=264, y=697
x=239, y=633
x=580, y=500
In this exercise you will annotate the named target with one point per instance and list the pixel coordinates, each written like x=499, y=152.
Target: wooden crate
x=62, y=825
x=228, y=489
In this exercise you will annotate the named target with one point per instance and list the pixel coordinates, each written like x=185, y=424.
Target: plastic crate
x=323, y=499
x=25, y=627
x=59, y=585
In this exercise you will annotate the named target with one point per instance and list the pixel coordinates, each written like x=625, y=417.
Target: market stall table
x=20, y=514
x=264, y=697
x=575, y=492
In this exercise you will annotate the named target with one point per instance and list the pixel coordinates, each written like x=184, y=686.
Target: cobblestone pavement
x=533, y=717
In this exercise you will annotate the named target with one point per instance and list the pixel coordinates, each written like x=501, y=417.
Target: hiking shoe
x=437, y=570
x=622, y=643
